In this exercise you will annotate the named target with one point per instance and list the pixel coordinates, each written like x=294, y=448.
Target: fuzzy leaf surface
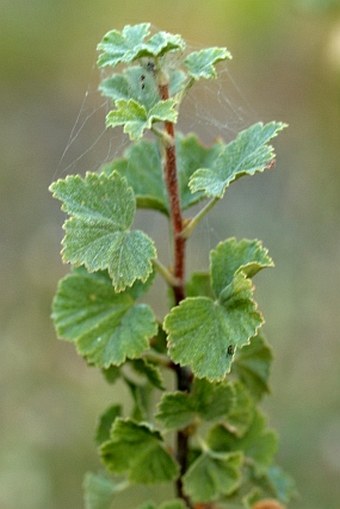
x=129, y=45
x=213, y=475
x=204, y=333
x=248, y=154
x=206, y=401
x=136, y=118
x=107, y=327
x=252, y=366
x=137, y=450
x=99, y=491
x=259, y=443
x=98, y=234
x=201, y=64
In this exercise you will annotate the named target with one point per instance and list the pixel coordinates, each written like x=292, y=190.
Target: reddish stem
x=183, y=374
x=175, y=205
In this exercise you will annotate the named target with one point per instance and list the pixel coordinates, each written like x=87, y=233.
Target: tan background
x=286, y=67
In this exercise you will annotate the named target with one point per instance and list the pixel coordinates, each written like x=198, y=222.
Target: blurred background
x=286, y=67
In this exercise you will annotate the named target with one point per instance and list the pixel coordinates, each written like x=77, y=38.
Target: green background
x=286, y=67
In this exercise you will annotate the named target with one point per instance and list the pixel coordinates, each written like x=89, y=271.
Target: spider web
x=213, y=109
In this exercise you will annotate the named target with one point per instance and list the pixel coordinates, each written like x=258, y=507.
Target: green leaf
x=206, y=401
x=105, y=423
x=141, y=395
x=99, y=491
x=192, y=155
x=247, y=154
x=150, y=371
x=252, y=366
x=199, y=285
x=213, y=475
x=232, y=256
x=140, y=85
x=111, y=374
x=241, y=413
x=107, y=327
x=98, y=233
x=203, y=333
x=259, y=443
x=139, y=451
x=201, y=64
x=129, y=45
x=142, y=166
x=171, y=504
x=136, y=118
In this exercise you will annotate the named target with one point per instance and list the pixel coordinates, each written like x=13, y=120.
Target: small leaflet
x=201, y=64
x=136, y=118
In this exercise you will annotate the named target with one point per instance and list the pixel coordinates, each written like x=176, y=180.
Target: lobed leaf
x=247, y=154
x=136, y=118
x=206, y=401
x=213, y=475
x=107, y=327
x=129, y=45
x=259, y=443
x=203, y=333
x=137, y=450
x=99, y=491
x=98, y=233
x=201, y=64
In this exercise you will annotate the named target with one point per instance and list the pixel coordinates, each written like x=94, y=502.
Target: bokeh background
x=286, y=67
